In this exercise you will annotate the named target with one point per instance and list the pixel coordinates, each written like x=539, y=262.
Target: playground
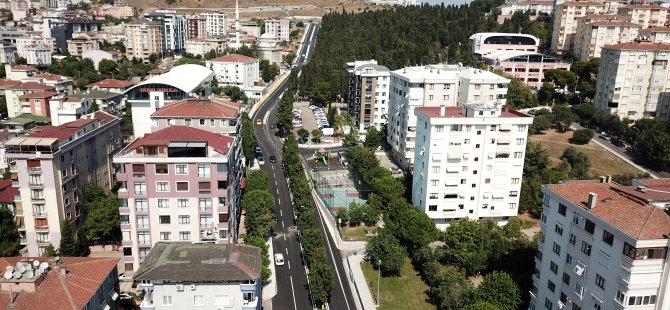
x=336, y=185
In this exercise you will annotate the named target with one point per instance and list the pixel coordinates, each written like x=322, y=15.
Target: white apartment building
x=65, y=110
x=207, y=276
x=483, y=42
x=173, y=27
x=368, y=94
x=200, y=47
x=52, y=167
x=656, y=34
x=143, y=38
x=534, y=7
x=25, y=42
x=7, y=52
x=280, y=28
x=433, y=86
x=468, y=162
x=604, y=246
x=178, y=184
x=645, y=14
x=216, y=23
x=38, y=55
x=235, y=69
x=633, y=80
x=591, y=37
x=565, y=23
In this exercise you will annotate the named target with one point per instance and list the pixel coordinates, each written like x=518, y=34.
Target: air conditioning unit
x=579, y=270
x=192, y=287
x=180, y=287
x=560, y=304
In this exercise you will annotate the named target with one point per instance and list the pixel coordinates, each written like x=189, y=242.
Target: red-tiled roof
x=163, y=137
x=7, y=192
x=39, y=94
x=450, y=112
x=643, y=6
x=656, y=29
x=601, y=16
x=111, y=83
x=4, y=83
x=654, y=182
x=51, y=77
x=615, y=205
x=582, y=3
x=534, y=2
x=67, y=130
x=30, y=86
x=71, y=291
x=613, y=23
x=199, y=108
x=639, y=46
x=23, y=68
x=234, y=58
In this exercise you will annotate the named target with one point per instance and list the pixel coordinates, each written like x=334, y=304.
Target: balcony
x=36, y=185
x=125, y=226
x=222, y=209
x=24, y=241
x=18, y=212
x=21, y=228
x=40, y=213
x=35, y=170
x=206, y=225
x=125, y=210
x=42, y=227
x=142, y=227
x=127, y=243
x=250, y=304
x=532, y=295
x=37, y=198
x=222, y=225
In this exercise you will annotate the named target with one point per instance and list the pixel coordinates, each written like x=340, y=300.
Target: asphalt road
x=292, y=288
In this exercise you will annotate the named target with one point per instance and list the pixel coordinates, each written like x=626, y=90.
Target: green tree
x=153, y=58
x=249, y=141
x=520, y=95
x=260, y=243
x=356, y=214
x=300, y=24
x=537, y=159
x=546, y=93
x=257, y=206
x=102, y=222
x=473, y=244
x=562, y=118
x=107, y=67
x=289, y=58
x=582, y=136
x=268, y=71
x=257, y=180
x=384, y=247
x=50, y=251
x=561, y=78
x=450, y=289
x=322, y=281
x=413, y=227
x=235, y=94
x=351, y=140
x=68, y=246
x=303, y=134
x=585, y=111
x=481, y=305
x=316, y=135
x=9, y=235
x=499, y=289
x=540, y=124
x=579, y=163
x=373, y=138
x=343, y=216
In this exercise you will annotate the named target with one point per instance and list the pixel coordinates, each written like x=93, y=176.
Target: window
x=430, y=97
x=221, y=300
x=182, y=186
x=439, y=128
x=161, y=169
x=568, y=259
x=511, y=205
x=600, y=281
x=553, y=267
x=434, y=182
x=513, y=193
x=435, y=169
x=548, y=304
x=205, y=204
x=165, y=236
x=184, y=219
x=562, y=209
x=573, y=239
x=167, y=300
x=515, y=180
x=211, y=122
x=620, y=297
x=586, y=248
x=566, y=278
x=182, y=203
x=202, y=122
x=162, y=187
x=184, y=235
x=141, y=205
x=608, y=237
x=557, y=248
x=140, y=188
x=203, y=170
x=198, y=300
x=164, y=219
x=520, y=141
x=163, y=203
x=589, y=226
x=445, y=97
x=432, y=208
x=559, y=230
x=641, y=300
x=433, y=195
x=181, y=169
x=551, y=286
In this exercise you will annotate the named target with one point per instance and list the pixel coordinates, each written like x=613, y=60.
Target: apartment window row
x=180, y=169
x=181, y=186
x=635, y=300
x=644, y=253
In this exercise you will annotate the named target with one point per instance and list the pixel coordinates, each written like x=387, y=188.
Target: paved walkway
x=270, y=289
x=363, y=296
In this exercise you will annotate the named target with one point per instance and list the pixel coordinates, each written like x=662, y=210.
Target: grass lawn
x=602, y=161
x=356, y=233
x=404, y=292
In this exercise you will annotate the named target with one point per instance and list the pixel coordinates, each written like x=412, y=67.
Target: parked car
x=274, y=215
x=273, y=159
x=258, y=149
x=395, y=170
x=125, y=295
x=123, y=277
x=618, y=143
x=279, y=259
x=259, y=122
x=605, y=136
x=261, y=161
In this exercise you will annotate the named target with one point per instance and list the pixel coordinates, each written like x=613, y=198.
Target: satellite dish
x=29, y=267
x=21, y=269
x=17, y=275
x=9, y=268
x=8, y=275
x=30, y=274
x=44, y=266
x=18, y=264
x=36, y=263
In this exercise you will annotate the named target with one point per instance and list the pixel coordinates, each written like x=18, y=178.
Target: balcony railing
x=222, y=209
x=42, y=227
x=40, y=214
x=18, y=212
x=34, y=170
x=24, y=241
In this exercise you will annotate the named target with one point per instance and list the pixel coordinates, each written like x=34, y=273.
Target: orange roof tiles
x=613, y=23
x=23, y=68
x=30, y=86
x=111, y=83
x=639, y=46
x=643, y=6
x=51, y=77
x=39, y=95
x=655, y=29
x=199, y=108
x=234, y=58
x=68, y=130
x=618, y=206
x=163, y=137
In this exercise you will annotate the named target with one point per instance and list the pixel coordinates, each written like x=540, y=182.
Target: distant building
x=534, y=7
x=480, y=43
x=469, y=162
x=53, y=166
x=565, y=23
x=212, y=276
x=7, y=52
x=204, y=46
x=632, y=80
x=190, y=190
x=251, y=28
x=270, y=49
x=173, y=27
x=60, y=283
x=208, y=114
x=196, y=27
x=61, y=84
x=112, y=85
x=38, y=55
x=234, y=69
x=69, y=109
x=368, y=94
x=98, y=55
x=107, y=101
x=24, y=42
x=279, y=28
x=185, y=81
x=526, y=66
x=6, y=135
x=645, y=14
x=79, y=45
x=19, y=72
x=216, y=24
x=143, y=38
x=14, y=92
x=591, y=37
x=37, y=103
x=63, y=30
x=656, y=34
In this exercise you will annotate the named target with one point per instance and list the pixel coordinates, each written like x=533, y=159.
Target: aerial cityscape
x=342, y=155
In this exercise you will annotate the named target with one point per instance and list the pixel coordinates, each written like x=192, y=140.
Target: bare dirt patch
x=602, y=161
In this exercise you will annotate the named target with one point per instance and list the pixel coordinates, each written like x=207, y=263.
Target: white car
x=123, y=277
x=261, y=161
x=279, y=259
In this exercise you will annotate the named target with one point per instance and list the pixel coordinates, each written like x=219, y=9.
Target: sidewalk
x=270, y=289
x=364, y=299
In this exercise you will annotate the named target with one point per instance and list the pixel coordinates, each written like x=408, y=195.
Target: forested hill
x=397, y=37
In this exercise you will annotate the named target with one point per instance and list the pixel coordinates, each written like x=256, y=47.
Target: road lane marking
x=295, y=305
x=282, y=224
x=281, y=213
x=284, y=236
x=289, y=265
x=286, y=251
x=337, y=271
x=277, y=188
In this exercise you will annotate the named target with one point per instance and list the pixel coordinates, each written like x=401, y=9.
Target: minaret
x=237, y=24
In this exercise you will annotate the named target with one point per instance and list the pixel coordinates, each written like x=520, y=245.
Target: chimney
x=442, y=109
x=63, y=270
x=591, y=203
x=603, y=179
x=608, y=178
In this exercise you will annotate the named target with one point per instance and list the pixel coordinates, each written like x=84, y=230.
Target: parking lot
x=309, y=121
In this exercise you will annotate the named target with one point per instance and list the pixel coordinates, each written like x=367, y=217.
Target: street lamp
x=379, y=279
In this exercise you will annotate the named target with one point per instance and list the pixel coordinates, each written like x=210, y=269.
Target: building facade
x=196, y=27
x=565, y=23
x=234, y=69
x=173, y=27
x=633, y=80
x=591, y=37
x=483, y=42
x=143, y=38
x=368, y=94
x=178, y=184
x=656, y=34
x=38, y=55
x=208, y=114
x=534, y=7
x=79, y=45
x=14, y=92
x=604, y=246
x=469, y=162
x=7, y=52
x=527, y=66
x=645, y=14
x=52, y=168
x=216, y=24
x=433, y=86
x=220, y=277
x=279, y=28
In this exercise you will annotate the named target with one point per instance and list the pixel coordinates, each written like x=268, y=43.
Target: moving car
x=261, y=161
x=259, y=122
x=273, y=159
x=279, y=259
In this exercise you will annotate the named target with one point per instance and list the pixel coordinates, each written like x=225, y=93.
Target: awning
x=454, y=155
x=437, y=156
x=504, y=140
x=506, y=127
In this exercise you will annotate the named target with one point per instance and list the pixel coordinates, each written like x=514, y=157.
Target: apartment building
x=368, y=94
x=181, y=82
x=526, y=66
x=53, y=166
x=433, y=86
x=216, y=23
x=14, y=92
x=203, y=46
x=26, y=41
x=279, y=28
x=633, y=79
x=604, y=246
x=210, y=114
x=38, y=55
x=234, y=284
x=37, y=103
x=19, y=72
x=143, y=38
x=591, y=37
x=61, y=84
x=235, y=69
x=7, y=52
x=178, y=184
x=196, y=27
x=173, y=27
x=565, y=23
x=79, y=45
x=656, y=34
x=483, y=42
x=469, y=162
x=68, y=109
x=645, y=14
x=534, y=7
x=112, y=85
